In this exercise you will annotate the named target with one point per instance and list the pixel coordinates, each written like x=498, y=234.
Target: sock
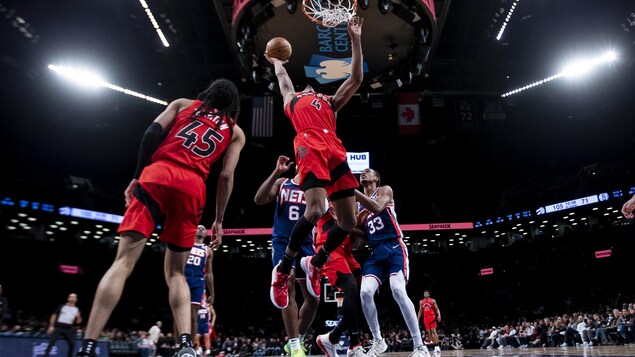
x=294, y=344
x=335, y=334
x=88, y=346
x=286, y=264
x=353, y=339
x=416, y=340
x=320, y=258
x=186, y=340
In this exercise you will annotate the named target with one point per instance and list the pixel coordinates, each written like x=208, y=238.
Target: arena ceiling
x=52, y=130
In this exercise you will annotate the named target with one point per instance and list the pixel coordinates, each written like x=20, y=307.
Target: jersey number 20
x=194, y=260
x=203, y=147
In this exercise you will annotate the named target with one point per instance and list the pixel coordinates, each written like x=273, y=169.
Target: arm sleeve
x=149, y=143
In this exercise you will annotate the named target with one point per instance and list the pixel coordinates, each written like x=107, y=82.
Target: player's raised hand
x=628, y=208
x=130, y=191
x=274, y=60
x=217, y=235
x=355, y=26
x=283, y=164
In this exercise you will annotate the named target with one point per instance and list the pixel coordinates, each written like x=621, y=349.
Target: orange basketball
x=279, y=47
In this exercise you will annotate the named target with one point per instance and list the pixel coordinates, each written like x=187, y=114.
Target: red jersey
x=193, y=142
x=427, y=306
x=310, y=110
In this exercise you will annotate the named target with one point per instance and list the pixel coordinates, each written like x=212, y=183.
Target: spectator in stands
x=583, y=330
x=145, y=345
x=455, y=342
x=490, y=340
x=154, y=333
x=600, y=329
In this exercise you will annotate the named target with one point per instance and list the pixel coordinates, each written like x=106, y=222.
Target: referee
x=61, y=324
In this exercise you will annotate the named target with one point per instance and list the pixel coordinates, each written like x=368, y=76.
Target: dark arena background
x=505, y=128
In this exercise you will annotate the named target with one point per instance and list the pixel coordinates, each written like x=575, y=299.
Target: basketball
x=278, y=47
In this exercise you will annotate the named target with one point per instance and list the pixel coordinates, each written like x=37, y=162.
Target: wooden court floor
x=595, y=351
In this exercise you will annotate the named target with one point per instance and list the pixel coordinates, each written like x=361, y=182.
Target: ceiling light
x=92, y=80
x=506, y=21
x=154, y=22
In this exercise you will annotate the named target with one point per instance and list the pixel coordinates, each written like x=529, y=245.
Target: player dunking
x=290, y=206
x=389, y=257
x=322, y=167
x=168, y=188
x=341, y=270
x=429, y=310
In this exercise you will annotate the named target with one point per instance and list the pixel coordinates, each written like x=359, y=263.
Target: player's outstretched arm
x=384, y=198
x=268, y=191
x=284, y=81
x=352, y=83
x=209, y=275
x=226, y=184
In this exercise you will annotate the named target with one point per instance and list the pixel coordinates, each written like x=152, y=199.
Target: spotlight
x=292, y=5
x=383, y=6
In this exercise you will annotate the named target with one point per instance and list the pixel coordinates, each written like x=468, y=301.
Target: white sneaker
x=356, y=352
x=421, y=351
x=437, y=349
x=377, y=347
x=199, y=351
x=563, y=345
x=326, y=346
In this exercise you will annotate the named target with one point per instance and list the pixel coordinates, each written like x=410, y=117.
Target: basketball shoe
x=279, y=291
x=357, y=351
x=377, y=347
x=298, y=352
x=326, y=346
x=187, y=351
x=287, y=347
x=421, y=351
x=313, y=277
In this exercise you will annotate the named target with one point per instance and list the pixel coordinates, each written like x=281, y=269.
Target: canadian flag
x=408, y=113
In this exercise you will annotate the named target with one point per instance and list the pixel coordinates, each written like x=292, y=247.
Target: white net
x=329, y=13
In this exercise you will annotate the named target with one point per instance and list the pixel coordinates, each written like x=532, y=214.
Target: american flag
x=262, y=117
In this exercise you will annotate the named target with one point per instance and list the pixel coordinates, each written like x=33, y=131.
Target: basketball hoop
x=329, y=13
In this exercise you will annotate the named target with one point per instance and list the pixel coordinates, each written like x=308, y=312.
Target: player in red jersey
x=168, y=189
x=322, y=165
x=429, y=310
x=341, y=269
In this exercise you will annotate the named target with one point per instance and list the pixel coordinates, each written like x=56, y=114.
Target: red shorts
x=324, y=155
x=341, y=260
x=430, y=321
x=164, y=204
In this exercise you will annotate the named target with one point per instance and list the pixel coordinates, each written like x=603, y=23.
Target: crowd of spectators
x=611, y=326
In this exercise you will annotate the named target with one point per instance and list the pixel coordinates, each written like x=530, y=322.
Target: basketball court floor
x=599, y=351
